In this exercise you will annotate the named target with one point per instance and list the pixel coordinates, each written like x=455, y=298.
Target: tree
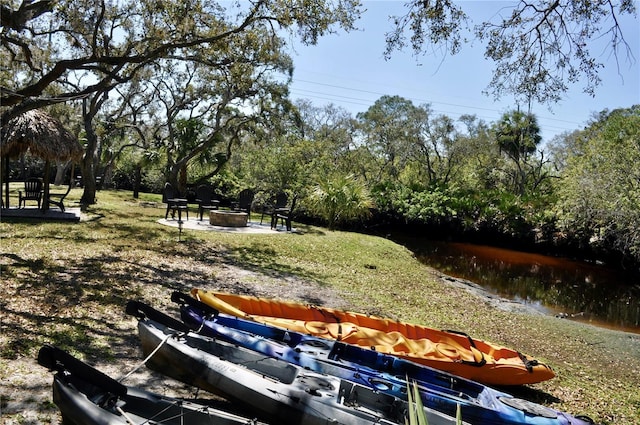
x=331, y=133
x=389, y=129
x=411, y=145
x=138, y=125
x=209, y=110
x=56, y=43
x=518, y=135
x=68, y=115
x=436, y=149
x=482, y=164
x=339, y=198
x=83, y=49
x=539, y=48
x=600, y=189
x=310, y=143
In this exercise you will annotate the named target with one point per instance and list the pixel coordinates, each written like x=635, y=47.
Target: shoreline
x=513, y=306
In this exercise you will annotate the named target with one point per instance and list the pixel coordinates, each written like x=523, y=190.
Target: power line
x=335, y=98
x=379, y=94
x=382, y=94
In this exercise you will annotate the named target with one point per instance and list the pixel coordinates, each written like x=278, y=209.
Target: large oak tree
x=62, y=50
x=539, y=47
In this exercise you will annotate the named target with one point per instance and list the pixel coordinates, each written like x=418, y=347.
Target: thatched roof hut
x=42, y=135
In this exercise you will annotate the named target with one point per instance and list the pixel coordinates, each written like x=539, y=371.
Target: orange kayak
x=451, y=351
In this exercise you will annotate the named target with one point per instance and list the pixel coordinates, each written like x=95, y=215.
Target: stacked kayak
x=281, y=375
x=271, y=387
x=439, y=390
x=85, y=395
x=450, y=351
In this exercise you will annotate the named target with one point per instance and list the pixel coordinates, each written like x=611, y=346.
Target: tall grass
x=416, y=413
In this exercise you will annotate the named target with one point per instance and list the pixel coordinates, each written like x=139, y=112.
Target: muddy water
x=565, y=288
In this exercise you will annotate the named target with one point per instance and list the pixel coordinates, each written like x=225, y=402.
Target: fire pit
x=228, y=218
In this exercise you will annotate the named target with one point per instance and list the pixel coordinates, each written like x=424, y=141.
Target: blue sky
x=348, y=70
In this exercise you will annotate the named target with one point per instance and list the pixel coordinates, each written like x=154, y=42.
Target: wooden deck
x=53, y=214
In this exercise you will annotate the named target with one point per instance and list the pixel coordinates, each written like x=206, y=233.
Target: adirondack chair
x=174, y=203
x=205, y=199
x=57, y=198
x=279, y=202
x=244, y=202
x=284, y=215
x=32, y=192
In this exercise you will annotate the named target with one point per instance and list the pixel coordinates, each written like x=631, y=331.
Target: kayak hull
x=439, y=390
x=85, y=396
x=272, y=388
x=450, y=351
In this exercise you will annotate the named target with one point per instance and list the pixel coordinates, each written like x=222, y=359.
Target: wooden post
x=4, y=175
x=45, y=200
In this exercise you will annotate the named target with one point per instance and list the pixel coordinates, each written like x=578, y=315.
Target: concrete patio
x=251, y=227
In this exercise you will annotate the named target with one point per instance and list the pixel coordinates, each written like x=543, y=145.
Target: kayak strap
x=528, y=363
x=155, y=350
x=144, y=311
x=478, y=356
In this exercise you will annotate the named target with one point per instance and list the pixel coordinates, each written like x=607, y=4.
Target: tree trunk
x=136, y=181
x=89, y=180
x=88, y=164
x=61, y=168
x=4, y=177
x=172, y=176
x=182, y=180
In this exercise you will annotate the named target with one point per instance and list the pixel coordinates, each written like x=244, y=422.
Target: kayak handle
x=180, y=298
x=473, y=344
x=141, y=310
x=53, y=358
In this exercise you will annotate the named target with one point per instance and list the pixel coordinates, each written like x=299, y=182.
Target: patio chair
x=57, y=198
x=284, y=215
x=205, y=199
x=32, y=192
x=174, y=202
x=279, y=202
x=244, y=202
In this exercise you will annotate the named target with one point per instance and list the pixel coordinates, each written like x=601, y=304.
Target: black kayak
x=86, y=396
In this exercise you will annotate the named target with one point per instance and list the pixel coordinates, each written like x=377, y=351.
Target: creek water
x=568, y=289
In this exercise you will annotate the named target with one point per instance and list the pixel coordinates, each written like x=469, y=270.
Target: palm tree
x=518, y=135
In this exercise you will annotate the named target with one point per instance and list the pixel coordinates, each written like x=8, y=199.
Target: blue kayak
x=282, y=392
x=388, y=374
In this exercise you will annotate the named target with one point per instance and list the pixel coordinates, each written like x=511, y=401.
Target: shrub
x=341, y=199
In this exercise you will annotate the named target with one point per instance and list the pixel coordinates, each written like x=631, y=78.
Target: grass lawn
x=68, y=283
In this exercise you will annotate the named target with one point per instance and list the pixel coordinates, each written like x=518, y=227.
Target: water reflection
x=566, y=288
